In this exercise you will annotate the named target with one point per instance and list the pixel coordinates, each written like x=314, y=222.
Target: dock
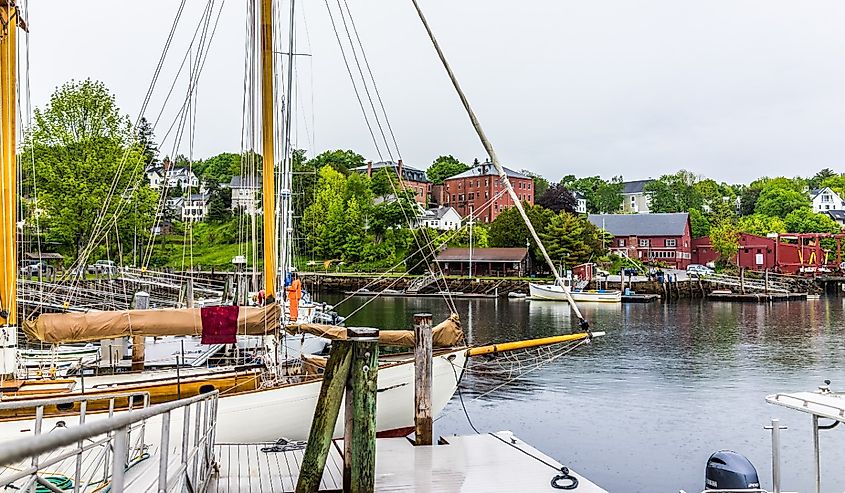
x=640, y=298
x=486, y=462
x=173, y=447
x=756, y=297
x=404, y=294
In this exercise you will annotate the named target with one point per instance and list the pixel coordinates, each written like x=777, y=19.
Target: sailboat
x=279, y=401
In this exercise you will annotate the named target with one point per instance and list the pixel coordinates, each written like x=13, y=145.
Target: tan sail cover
x=59, y=328
x=446, y=334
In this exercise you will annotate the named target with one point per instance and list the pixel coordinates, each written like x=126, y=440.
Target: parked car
x=103, y=267
x=699, y=270
x=34, y=268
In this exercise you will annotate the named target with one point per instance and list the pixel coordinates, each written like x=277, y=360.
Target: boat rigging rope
x=493, y=157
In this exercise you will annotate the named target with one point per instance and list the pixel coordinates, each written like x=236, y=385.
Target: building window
x=671, y=242
x=621, y=242
x=644, y=242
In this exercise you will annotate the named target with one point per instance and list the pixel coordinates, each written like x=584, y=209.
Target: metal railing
x=106, y=449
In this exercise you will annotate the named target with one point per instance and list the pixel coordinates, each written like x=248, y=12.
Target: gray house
x=634, y=197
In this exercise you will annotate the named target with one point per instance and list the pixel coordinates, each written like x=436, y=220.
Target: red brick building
x=479, y=190
x=663, y=238
x=411, y=178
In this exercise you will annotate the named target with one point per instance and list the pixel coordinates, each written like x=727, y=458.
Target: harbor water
x=641, y=409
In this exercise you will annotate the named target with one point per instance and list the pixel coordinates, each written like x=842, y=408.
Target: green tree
x=675, y=193
x=509, y=229
x=84, y=162
x=761, y=225
x=443, y=167
x=699, y=223
x=480, y=237
x=608, y=196
x=323, y=219
x=219, y=203
x=835, y=182
x=220, y=168
x=572, y=240
x=804, y=220
x=777, y=200
x=602, y=196
x=820, y=177
x=384, y=182
x=724, y=237
x=340, y=160
x=540, y=184
x=146, y=139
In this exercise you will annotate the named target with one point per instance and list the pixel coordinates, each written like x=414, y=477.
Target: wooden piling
x=325, y=417
x=359, y=435
x=422, y=379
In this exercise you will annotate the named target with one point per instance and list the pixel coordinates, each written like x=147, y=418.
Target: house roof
x=636, y=186
x=578, y=195
x=483, y=255
x=668, y=224
x=437, y=212
x=408, y=172
x=245, y=182
x=816, y=191
x=43, y=256
x=487, y=169
x=836, y=215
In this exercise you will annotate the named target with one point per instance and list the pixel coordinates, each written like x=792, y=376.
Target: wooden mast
x=8, y=164
x=267, y=136
x=8, y=189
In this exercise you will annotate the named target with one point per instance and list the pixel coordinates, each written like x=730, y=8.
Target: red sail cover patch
x=219, y=324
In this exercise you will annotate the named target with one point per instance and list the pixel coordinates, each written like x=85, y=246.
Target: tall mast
x=268, y=164
x=8, y=165
x=287, y=177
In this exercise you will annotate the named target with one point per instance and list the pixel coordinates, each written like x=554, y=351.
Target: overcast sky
x=731, y=89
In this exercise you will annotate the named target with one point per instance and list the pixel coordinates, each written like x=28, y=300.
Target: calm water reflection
x=641, y=409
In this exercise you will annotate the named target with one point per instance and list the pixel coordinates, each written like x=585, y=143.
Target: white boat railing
x=106, y=447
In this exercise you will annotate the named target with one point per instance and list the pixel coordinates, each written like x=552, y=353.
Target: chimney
x=399, y=169
x=370, y=169
x=166, y=164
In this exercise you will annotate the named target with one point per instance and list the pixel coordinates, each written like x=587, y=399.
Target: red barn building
x=479, y=190
x=789, y=253
x=663, y=238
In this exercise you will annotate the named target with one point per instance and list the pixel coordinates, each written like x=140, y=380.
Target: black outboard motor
x=727, y=470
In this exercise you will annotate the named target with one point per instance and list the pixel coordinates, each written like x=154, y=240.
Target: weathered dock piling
x=422, y=379
x=352, y=370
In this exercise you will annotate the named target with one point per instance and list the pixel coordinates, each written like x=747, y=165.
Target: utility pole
x=470, y=240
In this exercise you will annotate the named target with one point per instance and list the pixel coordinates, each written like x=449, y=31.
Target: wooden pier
x=487, y=462
x=756, y=297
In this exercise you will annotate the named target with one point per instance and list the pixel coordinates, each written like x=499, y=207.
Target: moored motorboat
x=556, y=292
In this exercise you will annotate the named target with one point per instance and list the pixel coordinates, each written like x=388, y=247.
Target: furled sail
x=447, y=333
x=60, y=328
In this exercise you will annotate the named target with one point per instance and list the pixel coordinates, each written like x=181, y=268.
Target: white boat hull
x=288, y=411
x=554, y=292
x=267, y=415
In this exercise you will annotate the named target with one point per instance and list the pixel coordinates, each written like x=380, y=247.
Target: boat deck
x=488, y=462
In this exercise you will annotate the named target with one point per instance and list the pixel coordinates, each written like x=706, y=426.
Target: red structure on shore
x=789, y=253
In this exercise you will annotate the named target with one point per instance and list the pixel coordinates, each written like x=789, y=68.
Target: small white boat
x=517, y=295
x=557, y=292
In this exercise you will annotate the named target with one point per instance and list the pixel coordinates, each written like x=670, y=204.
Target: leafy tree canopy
x=761, y=225
x=557, y=198
x=572, y=239
x=699, y=223
x=819, y=178
x=340, y=160
x=778, y=199
x=509, y=230
x=443, y=167
x=675, y=193
x=84, y=158
x=804, y=220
